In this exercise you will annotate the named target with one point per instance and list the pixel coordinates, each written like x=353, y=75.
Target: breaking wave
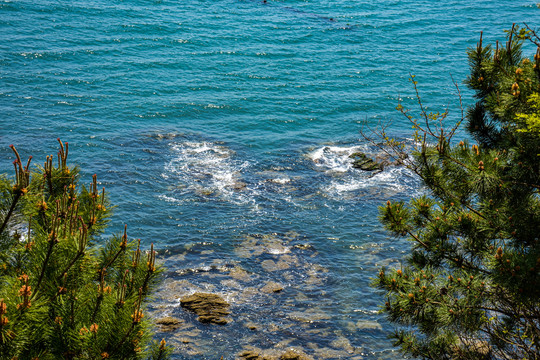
x=334, y=158
x=207, y=170
x=344, y=181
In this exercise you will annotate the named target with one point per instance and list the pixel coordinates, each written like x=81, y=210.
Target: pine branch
x=10, y=212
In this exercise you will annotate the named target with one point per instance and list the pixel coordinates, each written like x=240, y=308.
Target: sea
x=222, y=132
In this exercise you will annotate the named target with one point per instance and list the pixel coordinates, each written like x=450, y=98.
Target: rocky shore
x=275, y=308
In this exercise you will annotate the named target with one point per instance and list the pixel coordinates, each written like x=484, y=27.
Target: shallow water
x=222, y=131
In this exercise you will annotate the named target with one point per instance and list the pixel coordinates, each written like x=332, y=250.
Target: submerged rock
x=211, y=308
x=239, y=185
x=328, y=353
x=304, y=247
x=272, y=287
x=343, y=343
x=294, y=355
x=368, y=325
x=363, y=162
x=273, y=354
x=269, y=265
x=311, y=315
x=252, y=326
x=238, y=273
x=169, y=323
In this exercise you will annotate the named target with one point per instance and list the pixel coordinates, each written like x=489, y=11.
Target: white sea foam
x=390, y=182
x=169, y=199
x=334, y=158
x=280, y=180
x=345, y=181
x=206, y=169
x=279, y=251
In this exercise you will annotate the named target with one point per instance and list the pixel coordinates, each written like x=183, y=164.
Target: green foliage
x=470, y=288
x=62, y=296
x=531, y=121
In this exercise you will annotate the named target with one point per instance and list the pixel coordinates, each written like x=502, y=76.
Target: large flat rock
x=211, y=308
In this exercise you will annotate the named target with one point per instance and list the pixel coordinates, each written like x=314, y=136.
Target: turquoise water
x=222, y=130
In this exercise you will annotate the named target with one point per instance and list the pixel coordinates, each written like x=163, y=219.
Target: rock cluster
x=211, y=308
x=363, y=162
x=283, y=274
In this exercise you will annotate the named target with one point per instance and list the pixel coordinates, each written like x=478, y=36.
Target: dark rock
x=254, y=355
x=169, y=323
x=211, y=308
x=363, y=162
x=249, y=355
x=252, y=326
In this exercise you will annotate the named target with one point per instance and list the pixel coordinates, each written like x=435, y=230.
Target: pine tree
x=470, y=289
x=62, y=294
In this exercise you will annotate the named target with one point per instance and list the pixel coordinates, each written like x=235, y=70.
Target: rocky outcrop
x=211, y=308
x=363, y=162
x=378, y=163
